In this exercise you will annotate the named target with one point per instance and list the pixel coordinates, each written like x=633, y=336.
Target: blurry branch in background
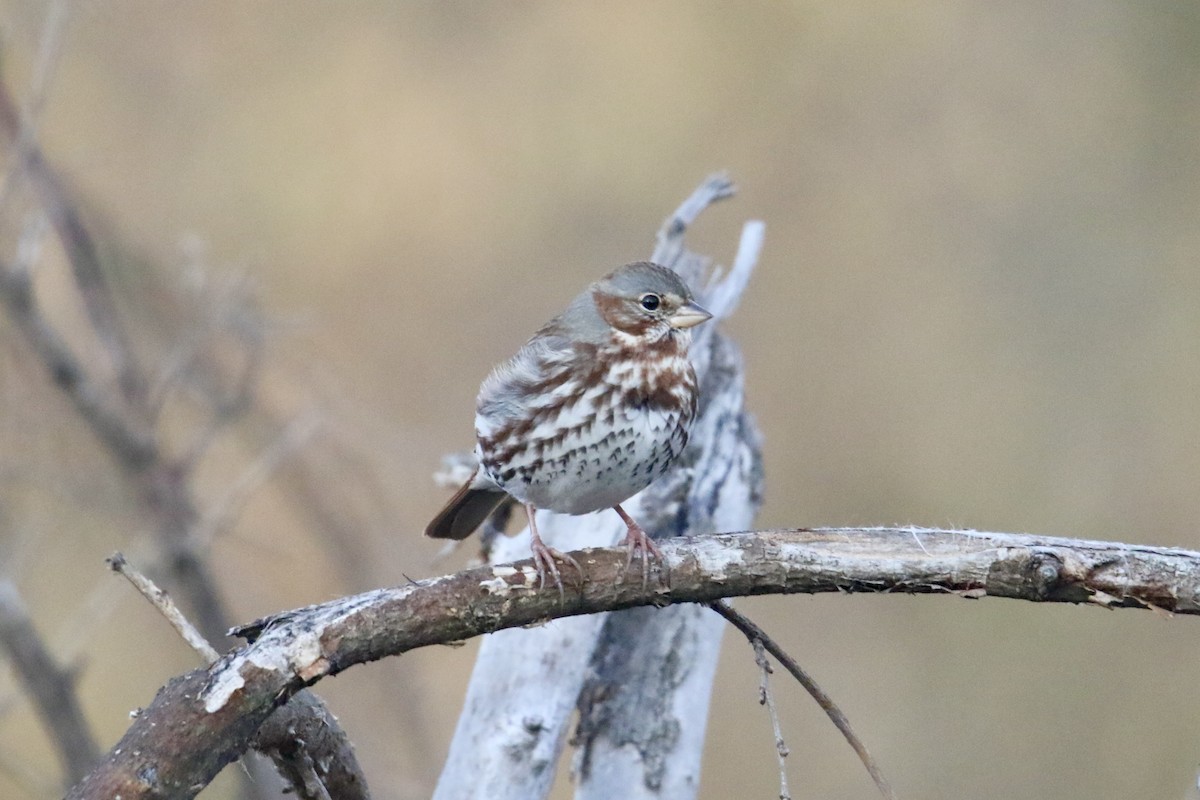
x=200, y=721
x=19, y=129
x=121, y=400
x=125, y=424
x=120, y=419
x=51, y=687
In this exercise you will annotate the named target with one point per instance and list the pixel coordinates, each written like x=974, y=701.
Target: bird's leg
x=637, y=542
x=544, y=555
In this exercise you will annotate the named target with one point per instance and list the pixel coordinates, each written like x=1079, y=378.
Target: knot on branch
x=1027, y=574
x=1046, y=574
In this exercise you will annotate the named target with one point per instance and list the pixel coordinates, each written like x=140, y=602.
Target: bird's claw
x=544, y=557
x=638, y=543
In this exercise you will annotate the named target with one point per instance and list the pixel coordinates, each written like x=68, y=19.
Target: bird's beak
x=687, y=316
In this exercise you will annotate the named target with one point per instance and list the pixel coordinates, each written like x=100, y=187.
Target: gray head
x=639, y=299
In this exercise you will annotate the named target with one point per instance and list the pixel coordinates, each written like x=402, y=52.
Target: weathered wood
x=644, y=710
x=201, y=721
x=526, y=685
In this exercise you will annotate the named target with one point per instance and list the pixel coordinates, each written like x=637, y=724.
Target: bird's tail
x=465, y=511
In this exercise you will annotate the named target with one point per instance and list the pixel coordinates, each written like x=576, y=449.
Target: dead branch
x=761, y=641
x=303, y=739
x=202, y=720
x=765, y=698
x=166, y=491
x=312, y=752
x=163, y=603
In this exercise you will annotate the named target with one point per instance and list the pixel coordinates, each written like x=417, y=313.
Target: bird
x=590, y=411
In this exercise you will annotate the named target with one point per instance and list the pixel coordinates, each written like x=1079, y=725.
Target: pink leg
x=544, y=555
x=637, y=542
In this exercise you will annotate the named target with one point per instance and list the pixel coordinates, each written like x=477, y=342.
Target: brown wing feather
x=465, y=512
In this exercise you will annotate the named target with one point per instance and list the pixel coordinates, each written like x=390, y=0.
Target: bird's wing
x=517, y=385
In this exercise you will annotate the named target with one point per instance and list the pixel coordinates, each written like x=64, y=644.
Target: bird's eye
x=651, y=301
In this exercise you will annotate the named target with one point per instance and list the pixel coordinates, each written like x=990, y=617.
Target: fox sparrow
x=588, y=413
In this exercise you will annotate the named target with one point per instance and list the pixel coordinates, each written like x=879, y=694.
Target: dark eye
x=651, y=301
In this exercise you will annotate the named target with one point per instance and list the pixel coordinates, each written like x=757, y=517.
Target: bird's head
x=646, y=300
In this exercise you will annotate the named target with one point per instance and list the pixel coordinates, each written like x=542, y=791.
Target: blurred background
x=978, y=306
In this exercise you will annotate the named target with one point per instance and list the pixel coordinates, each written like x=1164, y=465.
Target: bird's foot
x=638, y=543
x=544, y=557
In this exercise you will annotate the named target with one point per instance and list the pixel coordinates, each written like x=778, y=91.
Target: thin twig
x=225, y=306
x=165, y=605
x=766, y=699
x=130, y=440
x=757, y=635
x=132, y=447
x=229, y=409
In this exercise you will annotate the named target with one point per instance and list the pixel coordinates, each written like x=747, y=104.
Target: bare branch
x=760, y=640
x=201, y=721
x=239, y=400
x=223, y=304
x=166, y=606
x=304, y=740
x=52, y=688
x=765, y=698
x=132, y=447
x=311, y=751
x=49, y=52
x=668, y=249
x=164, y=489
x=722, y=293
x=83, y=254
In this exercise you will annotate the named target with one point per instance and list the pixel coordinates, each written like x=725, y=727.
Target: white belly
x=599, y=466
x=579, y=447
